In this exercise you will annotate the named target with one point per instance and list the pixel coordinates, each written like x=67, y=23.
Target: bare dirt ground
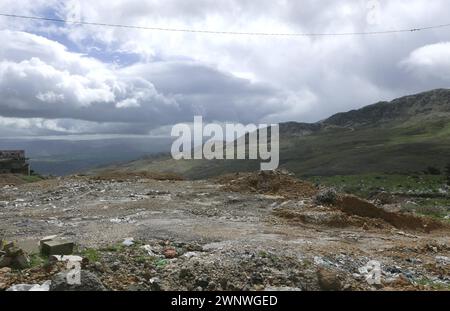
x=222, y=235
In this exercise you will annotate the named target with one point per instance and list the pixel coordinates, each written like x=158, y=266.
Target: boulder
x=20, y=262
x=328, y=280
x=13, y=256
x=89, y=282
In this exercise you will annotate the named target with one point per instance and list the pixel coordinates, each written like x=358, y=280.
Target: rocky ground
x=238, y=232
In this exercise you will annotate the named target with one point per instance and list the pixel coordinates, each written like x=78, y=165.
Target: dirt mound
x=355, y=206
x=123, y=176
x=273, y=183
x=328, y=217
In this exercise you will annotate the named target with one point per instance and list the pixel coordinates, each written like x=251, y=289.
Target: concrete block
x=57, y=247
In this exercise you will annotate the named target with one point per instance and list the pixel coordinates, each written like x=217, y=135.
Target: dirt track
x=230, y=230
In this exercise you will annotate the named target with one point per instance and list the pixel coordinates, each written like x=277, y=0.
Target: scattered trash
x=190, y=254
x=372, y=272
x=128, y=242
x=149, y=250
x=319, y=261
x=45, y=287
x=443, y=260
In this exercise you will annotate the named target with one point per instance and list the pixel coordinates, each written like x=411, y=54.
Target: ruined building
x=14, y=162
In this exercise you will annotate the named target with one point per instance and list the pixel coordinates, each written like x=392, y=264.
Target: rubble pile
x=271, y=182
x=355, y=206
x=266, y=231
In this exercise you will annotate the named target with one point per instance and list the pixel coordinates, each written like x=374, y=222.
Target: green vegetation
x=118, y=247
x=436, y=208
x=367, y=184
x=162, y=263
x=37, y=260
x=408, y=136
x=418, y=193
x=31, y=178
x=91, y=254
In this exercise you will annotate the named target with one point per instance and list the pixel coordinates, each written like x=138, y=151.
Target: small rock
x=327, y=196
x=211, y=286
x=155, y=284
x=99, y=267
x=328, y=280
x=202, y=281
x=115, y=266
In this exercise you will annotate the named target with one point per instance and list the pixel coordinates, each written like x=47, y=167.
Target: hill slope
x=403, y=136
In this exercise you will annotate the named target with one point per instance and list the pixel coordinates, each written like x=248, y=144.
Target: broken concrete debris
x=88, y=282
x=57, y=247
x=149, y=250
x=251, y=232
x=65, y=258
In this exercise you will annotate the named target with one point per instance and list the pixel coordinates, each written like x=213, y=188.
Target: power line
x=363, y=33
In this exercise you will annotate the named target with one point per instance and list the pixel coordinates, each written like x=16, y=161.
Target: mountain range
x=404, y=136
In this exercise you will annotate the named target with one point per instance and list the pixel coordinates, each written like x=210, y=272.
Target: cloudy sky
x=60, y=79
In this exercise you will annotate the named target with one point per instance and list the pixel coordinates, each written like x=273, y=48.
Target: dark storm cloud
x=46, y=87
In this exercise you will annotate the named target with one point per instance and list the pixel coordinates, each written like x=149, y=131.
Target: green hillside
x=404, y=136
